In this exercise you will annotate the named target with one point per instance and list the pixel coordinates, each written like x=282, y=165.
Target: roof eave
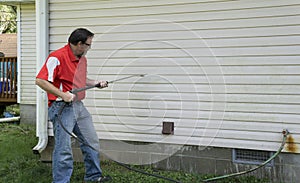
x=16, y=1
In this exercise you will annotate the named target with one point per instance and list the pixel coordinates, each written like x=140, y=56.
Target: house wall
x=28, y=63
x=225, y=72
x=8, y=44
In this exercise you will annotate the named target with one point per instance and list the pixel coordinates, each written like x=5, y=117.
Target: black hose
x=284, y=132
x=87, y=144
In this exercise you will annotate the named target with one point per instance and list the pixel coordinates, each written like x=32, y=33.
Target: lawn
x=19, y=165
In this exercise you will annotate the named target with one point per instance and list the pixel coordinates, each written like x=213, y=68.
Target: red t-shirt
x=65, y=72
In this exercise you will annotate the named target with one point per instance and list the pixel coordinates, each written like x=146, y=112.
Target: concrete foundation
x=191, y=159
x=28, y=113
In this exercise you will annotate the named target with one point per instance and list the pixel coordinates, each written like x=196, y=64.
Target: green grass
x=19, y=165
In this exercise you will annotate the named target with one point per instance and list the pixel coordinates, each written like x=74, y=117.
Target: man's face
x=82, y=48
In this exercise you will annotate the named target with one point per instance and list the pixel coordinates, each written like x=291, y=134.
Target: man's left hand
x=103, y=84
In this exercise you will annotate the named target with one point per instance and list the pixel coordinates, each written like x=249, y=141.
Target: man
x=66, y=69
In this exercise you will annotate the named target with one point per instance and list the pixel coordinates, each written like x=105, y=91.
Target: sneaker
x=100, y=179
x=104, y=179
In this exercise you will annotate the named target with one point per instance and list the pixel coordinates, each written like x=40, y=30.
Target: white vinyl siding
x=226, y=72
x=28, y=54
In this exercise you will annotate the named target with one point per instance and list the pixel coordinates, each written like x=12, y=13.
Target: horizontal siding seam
x=152, y=6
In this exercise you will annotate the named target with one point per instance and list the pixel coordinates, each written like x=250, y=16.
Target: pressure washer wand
x=136, y=75
x=74, y=91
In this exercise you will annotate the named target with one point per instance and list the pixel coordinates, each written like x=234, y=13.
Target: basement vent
x=252, y=157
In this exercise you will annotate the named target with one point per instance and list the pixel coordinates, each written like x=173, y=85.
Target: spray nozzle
x=285, y=132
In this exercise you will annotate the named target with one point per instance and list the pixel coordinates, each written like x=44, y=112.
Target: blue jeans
x=78, y=120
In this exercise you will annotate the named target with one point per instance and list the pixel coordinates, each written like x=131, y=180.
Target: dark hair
x=80, y=34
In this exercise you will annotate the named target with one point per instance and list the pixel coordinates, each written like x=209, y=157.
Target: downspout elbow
x=41, y=146
x=42, y=122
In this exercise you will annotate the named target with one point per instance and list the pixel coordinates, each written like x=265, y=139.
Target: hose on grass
x=285, y=133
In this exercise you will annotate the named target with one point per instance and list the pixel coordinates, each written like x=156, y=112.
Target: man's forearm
x=48, y=87
x=90, y=82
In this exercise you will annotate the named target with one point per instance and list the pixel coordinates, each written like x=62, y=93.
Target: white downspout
x=19, y=53
x=42, y=49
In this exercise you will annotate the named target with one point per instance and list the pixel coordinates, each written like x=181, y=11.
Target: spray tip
x=285, y=132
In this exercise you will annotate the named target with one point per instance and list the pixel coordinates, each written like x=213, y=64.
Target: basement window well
x=253, y=157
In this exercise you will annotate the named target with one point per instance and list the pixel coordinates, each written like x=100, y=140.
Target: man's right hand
x=68, y=96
